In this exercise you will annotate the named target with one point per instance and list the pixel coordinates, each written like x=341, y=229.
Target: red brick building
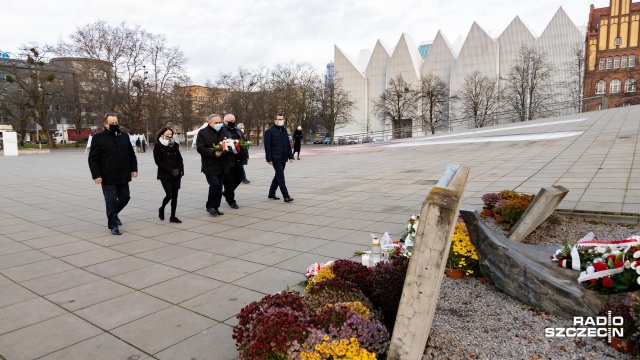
x=612, y=56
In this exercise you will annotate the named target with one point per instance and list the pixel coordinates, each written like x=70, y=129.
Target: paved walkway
x=70, y=290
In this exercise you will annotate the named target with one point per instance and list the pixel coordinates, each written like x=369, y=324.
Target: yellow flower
x=338, y=349
x=323, y=274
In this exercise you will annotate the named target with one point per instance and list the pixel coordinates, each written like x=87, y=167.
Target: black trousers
x=116, y=197
x=215, y=191
x=171, y=188
x=278, y=180
x=231, y=182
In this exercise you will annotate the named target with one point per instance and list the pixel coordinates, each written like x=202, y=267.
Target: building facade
x=612, y=69
x=479, y=52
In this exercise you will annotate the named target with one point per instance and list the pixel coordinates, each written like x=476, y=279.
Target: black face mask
x=231, y=125
x=114, y=128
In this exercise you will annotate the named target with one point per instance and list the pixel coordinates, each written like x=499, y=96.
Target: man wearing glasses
x=277, y=150
x=113, y=163
x=215, y=164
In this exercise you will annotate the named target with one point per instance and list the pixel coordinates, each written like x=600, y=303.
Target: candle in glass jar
x=365, y=259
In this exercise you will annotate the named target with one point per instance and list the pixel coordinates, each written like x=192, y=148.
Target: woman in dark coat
x=297, y=141
x=166, y=154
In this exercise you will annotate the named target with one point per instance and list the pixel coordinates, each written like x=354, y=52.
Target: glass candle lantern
x=375, y=252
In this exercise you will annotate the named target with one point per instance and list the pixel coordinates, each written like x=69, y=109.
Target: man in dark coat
x=234, y=178
x=215, y=164
x=297, y=141
x=113, y=163
x=277, y=149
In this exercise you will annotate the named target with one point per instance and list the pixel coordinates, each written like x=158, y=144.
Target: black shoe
x=161, y=213
x=174, y=219
x=234, y=206
x=246, y=182
x=298, y=157
x=118, y=222
x=212, y=211
x=274, y=197
x=288, y=199
x=218, y=211
x=115, y=231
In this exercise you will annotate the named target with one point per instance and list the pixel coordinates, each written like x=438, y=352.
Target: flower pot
x=454, y=273
x=625, y=346
x=487, y=212
x=499, y=218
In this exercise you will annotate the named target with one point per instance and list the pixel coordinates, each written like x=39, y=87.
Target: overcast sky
x=219, y=36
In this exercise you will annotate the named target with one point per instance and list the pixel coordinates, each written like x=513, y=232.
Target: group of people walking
x=113, y=164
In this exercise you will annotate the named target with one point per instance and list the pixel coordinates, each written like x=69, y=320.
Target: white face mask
x=217, y=127
x=166, y=142
x=281, y=123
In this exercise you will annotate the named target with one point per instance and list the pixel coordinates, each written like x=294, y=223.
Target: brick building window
x=630, y=85
x=616, y=62
x=618, y=41
x=609, y=63
x=623, y=63
x=601, y=87
x=632, y=60
x=601, y=64
x=598, y=106
x=614, y=87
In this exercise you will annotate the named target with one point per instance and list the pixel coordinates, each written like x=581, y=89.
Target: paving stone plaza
x=71, y=290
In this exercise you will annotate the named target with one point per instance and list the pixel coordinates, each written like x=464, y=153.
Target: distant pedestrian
x=297, y=141
x=277, y=150
x=144, y=145
x=215, y=164
x=166, y=154
x=234, y=178
x=138, y=145
x=113, y=163
x=245, y=137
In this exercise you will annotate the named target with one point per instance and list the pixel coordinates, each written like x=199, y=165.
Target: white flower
x=638, y=280
x=601, y=249
x=638, y=270
x=590, y=270
x=415, y=226
x=558, y=252
x=615, y=252
x=627, y=264
x=636, y=254
x=583, y=273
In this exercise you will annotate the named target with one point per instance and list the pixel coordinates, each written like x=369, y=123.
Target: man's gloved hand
x=175, y=172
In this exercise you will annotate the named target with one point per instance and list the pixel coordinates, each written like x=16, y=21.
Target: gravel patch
x=477, y=321
x=560, y=228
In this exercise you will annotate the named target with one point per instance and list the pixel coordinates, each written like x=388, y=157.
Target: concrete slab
x=53, y=334
x=163, y=329
x=122, y=310
x=102, y=347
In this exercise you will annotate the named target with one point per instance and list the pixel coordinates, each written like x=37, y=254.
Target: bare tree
x=291, y=85
x=15, y=106
x=478, y=99
x=397, y=103
x=434, y=102
x=143, y=69
x=336, y=105
x=529, y=84
x=182, y=112
x=37, y=82
x=575, y=71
